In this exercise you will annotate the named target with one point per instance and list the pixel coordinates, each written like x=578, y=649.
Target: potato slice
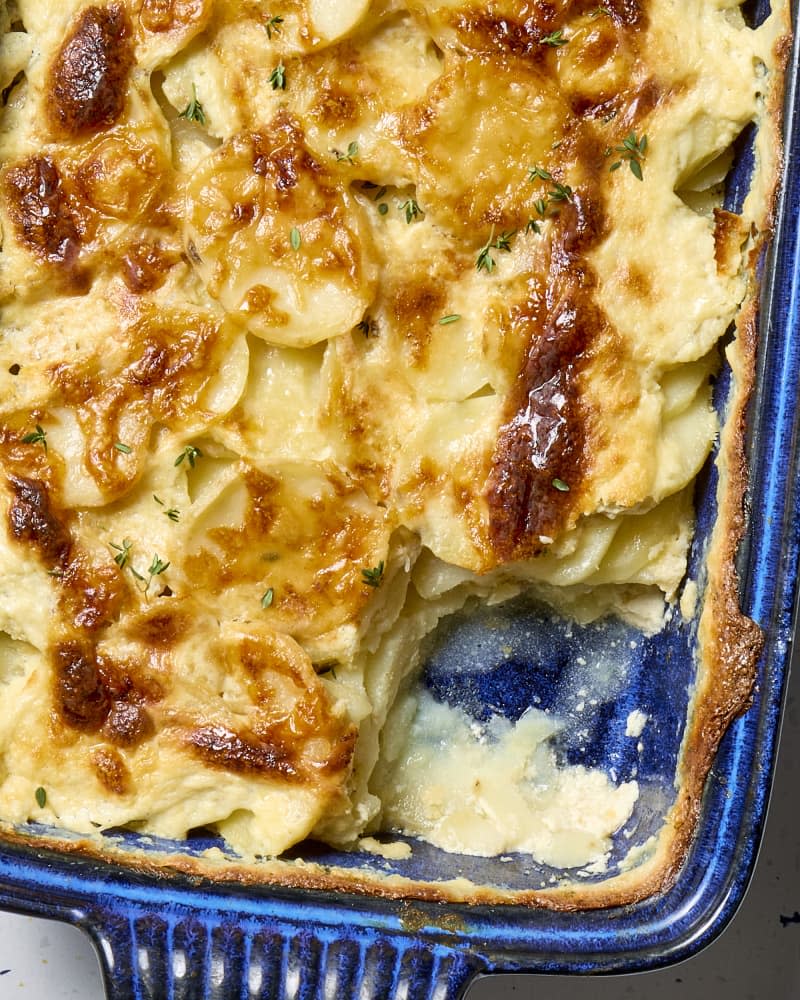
x=334, y=18
x=275, y=242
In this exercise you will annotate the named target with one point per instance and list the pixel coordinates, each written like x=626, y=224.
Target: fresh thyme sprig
x=278, y=77
x=171, y=512
x=123, y=552
x=349, y=156
x=558, y=193
x=273, y=25
x=156, y=568
x=633, y=152
x=39, y=436
x=555, y=39
x=412, y=210
x=193, y=112
x=373, y=577
x=189, y=453
x=485, y=261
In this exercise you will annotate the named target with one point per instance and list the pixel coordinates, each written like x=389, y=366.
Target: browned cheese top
x=293, y=297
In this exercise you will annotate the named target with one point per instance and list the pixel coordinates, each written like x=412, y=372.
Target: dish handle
x=228, y=956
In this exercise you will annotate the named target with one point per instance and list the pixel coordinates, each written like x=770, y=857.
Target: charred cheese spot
x=94, y=691
x=544, y=441
x=91, y=596
x=242, y=753
x=44, y=214
x=295, y=733
x=33, y=521
x=510, y=28
x=81, y=694
x=145, y=266
x=160, y=629
x=127, y=724
x=89, y=76
x=599, y=63
x=281, y=248
x=111, y=770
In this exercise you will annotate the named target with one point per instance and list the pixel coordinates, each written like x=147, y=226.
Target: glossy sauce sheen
x=316, y=323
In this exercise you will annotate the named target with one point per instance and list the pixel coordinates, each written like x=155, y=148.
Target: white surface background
x=757, y=958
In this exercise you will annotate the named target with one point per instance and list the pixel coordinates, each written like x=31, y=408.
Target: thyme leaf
x=193, y=112
x=39, y=436
x=373, y=577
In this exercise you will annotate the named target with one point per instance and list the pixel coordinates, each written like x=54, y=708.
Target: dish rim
x=96, y=895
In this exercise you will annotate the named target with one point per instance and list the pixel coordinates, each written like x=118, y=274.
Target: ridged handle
x=149, y=957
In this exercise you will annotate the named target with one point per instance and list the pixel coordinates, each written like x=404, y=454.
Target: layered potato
x=320, y=318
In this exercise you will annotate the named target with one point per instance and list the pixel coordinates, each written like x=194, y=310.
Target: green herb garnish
x=446, y=320
x=350, y=155
x=193, y=112
x=560, y=485
x=373, y=577
x=190, y=453
x=268, y=598
x=278, y=77
x=41, y=797
x=555, y=39
x=295, y=239
x=633, y=151
x=560, y=192
x=539, y=173
x=485, y=261
x=172, y=512
x=412, y=210
x=39, y=436
x=156, y=568
x=123, y=552
x=273, y=25
x=124, y=448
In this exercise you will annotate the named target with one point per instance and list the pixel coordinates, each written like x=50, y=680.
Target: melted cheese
x=315, y=326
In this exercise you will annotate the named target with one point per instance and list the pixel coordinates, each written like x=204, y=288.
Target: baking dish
x=177, y=936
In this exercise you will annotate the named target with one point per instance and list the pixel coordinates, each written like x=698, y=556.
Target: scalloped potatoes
x=317, y=321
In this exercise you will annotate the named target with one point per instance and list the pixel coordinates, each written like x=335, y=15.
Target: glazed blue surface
x=178, y=939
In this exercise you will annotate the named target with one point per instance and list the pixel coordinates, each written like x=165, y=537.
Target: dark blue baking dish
x=166, y=936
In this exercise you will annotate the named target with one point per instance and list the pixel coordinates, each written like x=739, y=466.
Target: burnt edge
x=731, y=644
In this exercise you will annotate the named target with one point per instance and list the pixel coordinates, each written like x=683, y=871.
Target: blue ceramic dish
x=176, y=938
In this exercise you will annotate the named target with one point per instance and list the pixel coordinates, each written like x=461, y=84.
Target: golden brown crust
x=89, y=75
x=542, y=449
x=261, y=219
